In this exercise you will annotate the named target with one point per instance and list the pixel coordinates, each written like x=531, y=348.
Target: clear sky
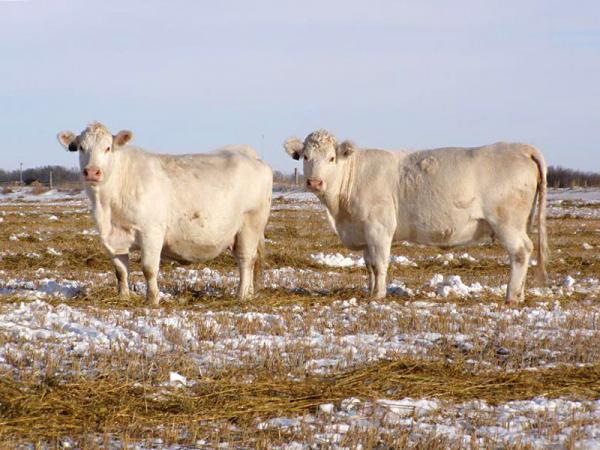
x=189, y=76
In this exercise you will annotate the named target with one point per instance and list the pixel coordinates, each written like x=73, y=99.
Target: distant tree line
x=63, y=175
x=41, y=174
x=559, y=177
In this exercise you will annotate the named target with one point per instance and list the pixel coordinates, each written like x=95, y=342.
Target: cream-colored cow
x=183, y=207
x=444, y=197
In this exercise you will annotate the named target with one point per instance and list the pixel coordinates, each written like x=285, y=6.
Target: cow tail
x=541, y=194
x=532, y=213
x=258, y=264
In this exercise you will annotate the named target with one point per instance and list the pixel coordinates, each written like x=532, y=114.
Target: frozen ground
x=49, y=197
x=342, y=334
x=315, y=320
x=28, y=194
x=575, y=194
x=575, y=203
x=539, y=423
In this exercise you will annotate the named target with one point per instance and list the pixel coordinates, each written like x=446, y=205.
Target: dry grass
x=97, y=398
x=294, y=235
x=112, y=403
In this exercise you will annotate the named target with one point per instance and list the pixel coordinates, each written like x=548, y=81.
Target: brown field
x=81, y=367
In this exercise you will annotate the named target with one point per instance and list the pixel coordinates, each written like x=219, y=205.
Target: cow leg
x=246, y=248
x=246, y=268
x=370, y=270
x=379, y=254
x=121, y=263
x=245, y=252
x=151, y=248
x=519, y=248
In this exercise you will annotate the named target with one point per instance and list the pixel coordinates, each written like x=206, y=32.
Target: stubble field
x=311, y=362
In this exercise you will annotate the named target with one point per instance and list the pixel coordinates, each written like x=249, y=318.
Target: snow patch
x=453, y=284
x=339, y=260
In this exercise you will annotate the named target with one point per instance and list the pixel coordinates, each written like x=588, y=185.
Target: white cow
x=445, y=197
x=188, y=208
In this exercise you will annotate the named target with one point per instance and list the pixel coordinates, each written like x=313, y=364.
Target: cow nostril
x=92, y=172
x=314, y=182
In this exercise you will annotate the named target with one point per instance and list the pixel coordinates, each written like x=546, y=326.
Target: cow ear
x=122, y=138
x=345, y=149
x=67, y=140
x=294, y=147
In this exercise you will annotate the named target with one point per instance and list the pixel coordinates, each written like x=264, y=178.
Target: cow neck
x=338, y=203
x=106, y=200
x=104, y=196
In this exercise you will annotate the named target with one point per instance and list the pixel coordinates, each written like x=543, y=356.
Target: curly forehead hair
x=319, y=139
x=96, y=129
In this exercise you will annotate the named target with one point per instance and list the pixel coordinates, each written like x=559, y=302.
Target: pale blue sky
x=188, y=76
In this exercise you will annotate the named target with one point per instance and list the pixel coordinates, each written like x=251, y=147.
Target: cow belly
x=456, y=234
x=192, y=252
x=198, y=242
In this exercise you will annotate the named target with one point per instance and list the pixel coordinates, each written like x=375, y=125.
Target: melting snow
x=453, y=284
x=339, y=260
x=539, y=423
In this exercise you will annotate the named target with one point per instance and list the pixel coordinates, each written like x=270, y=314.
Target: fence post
x=50, y=180
x=296, y=176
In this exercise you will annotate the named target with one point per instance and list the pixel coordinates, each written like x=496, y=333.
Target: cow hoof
x=152, y=301
x=513, y=302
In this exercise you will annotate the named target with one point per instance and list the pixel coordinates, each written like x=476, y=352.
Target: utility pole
x=21, y=174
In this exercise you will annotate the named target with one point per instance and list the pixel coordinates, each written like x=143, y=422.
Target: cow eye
x=332, y=159
x=107, y=150
x=305, y=158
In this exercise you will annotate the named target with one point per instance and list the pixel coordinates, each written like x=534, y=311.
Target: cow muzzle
x=92, y=174
x=315, y=184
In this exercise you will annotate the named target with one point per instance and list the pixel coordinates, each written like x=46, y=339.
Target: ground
x=311, y=362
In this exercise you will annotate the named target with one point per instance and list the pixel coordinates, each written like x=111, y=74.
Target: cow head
x=96, y=147
x=323, y=158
